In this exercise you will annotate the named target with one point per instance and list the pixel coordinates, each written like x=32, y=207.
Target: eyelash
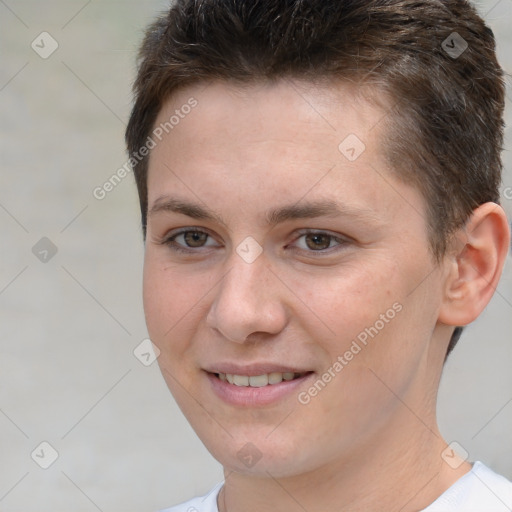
x=170, y=241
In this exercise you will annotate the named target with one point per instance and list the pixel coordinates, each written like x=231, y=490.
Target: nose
x=248, y=300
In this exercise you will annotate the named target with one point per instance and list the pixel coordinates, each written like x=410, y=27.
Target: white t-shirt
x=479, y=490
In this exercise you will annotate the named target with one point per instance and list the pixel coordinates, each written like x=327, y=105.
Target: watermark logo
x=454, y=45
x=44, y=250
x=44, y=45
x=146, y=352
x=351, y=147
x=249, y=455
x=249, y=249
x=454, y=455
x=44, y=455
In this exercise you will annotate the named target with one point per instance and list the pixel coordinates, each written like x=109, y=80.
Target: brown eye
x=188, y=240
x=318, y=241
x=195, y=238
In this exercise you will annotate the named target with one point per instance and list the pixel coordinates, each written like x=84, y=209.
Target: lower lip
x=247, y=396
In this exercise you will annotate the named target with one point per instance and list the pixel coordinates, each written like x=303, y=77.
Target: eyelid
x=185, y=229
x=313, y=231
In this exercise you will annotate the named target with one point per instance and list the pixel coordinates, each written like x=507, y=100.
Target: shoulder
x=480, y=489
x=206, y=503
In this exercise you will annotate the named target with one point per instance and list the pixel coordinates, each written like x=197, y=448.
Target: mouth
x=258, y=389
x=259, y=381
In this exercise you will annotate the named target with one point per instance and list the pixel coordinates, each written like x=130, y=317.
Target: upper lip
x=253, y=369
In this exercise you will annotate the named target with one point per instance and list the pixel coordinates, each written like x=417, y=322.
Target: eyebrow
x=196, y=211
x=305, y=210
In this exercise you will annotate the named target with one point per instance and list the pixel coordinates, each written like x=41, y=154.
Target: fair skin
x=369, y=439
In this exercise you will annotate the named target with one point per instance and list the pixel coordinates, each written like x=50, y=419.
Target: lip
x=246, y=396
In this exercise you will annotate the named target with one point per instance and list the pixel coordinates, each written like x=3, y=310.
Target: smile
x=257, y=390
x=259, y=381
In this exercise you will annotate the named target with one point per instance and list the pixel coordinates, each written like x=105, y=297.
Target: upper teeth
x=258, y=381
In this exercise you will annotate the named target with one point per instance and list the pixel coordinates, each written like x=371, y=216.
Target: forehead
x=273, y=110
x=251, y=146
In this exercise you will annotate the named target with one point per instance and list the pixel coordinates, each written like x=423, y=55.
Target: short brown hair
x=434, y=60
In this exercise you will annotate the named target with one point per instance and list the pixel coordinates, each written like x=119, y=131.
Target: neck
x=395, y=472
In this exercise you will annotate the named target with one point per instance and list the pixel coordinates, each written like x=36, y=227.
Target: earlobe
x=475, y=267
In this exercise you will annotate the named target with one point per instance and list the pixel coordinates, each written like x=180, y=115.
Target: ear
x=474, y=267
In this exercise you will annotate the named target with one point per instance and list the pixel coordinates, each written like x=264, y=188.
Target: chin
x=258, y=455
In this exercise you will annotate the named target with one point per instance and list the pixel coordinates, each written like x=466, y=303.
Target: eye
x=318, y=241
x=193, y=238
x=187, y=240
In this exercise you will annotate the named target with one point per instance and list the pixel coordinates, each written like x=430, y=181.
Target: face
x=288, y=278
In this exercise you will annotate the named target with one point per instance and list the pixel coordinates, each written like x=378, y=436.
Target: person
x=319, y=189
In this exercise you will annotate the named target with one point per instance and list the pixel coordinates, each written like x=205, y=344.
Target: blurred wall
x=70, y=282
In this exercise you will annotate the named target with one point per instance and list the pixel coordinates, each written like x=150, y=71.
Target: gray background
x=68, y=328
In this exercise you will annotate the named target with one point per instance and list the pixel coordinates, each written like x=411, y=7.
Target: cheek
x=351, y=299
x=172, y=306
x=157, y=300
x=171, y=302
x=373, y=320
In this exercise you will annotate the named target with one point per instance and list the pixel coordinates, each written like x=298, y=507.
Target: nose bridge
x=247, y=301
